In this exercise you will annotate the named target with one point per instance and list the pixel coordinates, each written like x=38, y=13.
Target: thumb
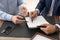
x=44, y=25
x=44, y=29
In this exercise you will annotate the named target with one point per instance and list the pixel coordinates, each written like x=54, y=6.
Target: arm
x=22, y=7
x=5, y=16
x=41, y=5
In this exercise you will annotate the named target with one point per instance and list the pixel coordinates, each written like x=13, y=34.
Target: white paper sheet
x=40, y=37
x=39, y=20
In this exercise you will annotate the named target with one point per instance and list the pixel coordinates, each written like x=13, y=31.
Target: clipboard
x=41, y=35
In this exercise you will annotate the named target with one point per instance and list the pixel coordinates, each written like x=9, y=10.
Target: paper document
x=40, y=37
x=39, y=20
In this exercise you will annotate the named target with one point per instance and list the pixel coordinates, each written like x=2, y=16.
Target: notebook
x=40, y=37
x=39, y=20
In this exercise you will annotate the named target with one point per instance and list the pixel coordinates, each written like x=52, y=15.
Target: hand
x=23, y=11
x=33, y=14
x=49, y=28
x=17, y=19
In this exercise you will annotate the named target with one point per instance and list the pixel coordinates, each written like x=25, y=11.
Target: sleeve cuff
x=22, y=5
x=58, y=25
x=5, y=16
x=9, y=17
x=37, y=10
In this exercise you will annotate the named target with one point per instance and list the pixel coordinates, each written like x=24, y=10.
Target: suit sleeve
x=41, y=5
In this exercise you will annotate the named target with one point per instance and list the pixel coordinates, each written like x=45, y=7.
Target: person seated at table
x=50, y=29
x=10, y=10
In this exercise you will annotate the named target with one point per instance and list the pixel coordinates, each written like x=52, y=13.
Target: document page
x=39, y=20
x=40, y=37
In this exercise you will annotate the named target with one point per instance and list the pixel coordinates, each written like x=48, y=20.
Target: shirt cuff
x=58, y=26
x=5, y=16
x=37, y=10
x=22, y=5
x=9, y=17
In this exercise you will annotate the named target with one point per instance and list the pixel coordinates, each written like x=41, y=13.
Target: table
x=22, y=31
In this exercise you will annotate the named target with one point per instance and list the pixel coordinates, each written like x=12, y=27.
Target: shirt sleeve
x=5, y=16
x=21, y=3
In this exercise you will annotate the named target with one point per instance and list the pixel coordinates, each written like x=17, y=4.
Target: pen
x=32, y=18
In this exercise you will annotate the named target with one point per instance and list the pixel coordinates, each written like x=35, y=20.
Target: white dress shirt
x=51, y=8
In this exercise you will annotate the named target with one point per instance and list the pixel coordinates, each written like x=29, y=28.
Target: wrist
x=37, y=10
x=57, y=29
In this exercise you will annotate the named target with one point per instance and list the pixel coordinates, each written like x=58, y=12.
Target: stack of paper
x=39, y=20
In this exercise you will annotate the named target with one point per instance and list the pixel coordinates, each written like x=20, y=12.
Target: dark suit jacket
x=44, y=6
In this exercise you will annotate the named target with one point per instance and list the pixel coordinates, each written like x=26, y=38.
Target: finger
x=20, y=17
x=30, y=14
x=23, y=7
x=44, y=30
x=20, y=21
x=34, y=15
x=44, y=25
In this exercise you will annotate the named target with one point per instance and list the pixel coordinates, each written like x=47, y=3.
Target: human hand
x=33, y=14
x=49, y=29
x=23, y=11
x=17, y=19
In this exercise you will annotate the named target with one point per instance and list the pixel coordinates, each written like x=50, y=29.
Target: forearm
x=21, y=4
x=41, y=5
x=44, y=12
x=5, y=16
